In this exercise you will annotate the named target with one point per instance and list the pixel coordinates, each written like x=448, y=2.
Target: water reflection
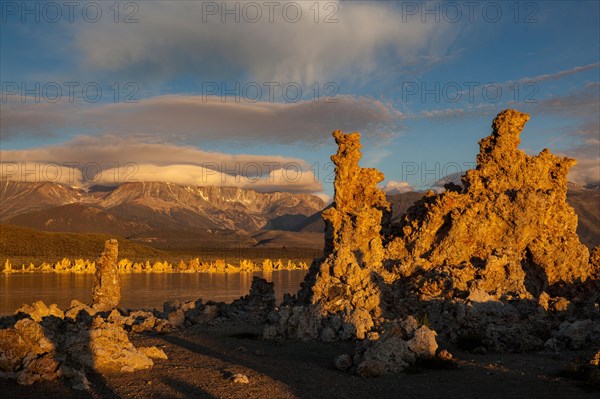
x=138, y=290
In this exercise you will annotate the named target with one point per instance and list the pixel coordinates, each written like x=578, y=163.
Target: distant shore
x=127, y=266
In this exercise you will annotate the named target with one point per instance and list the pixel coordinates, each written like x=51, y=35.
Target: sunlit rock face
x=43, y=343
x=343, y=285
x=509, y=229
x=107, y=284
x=507, y=234
x=345, y=282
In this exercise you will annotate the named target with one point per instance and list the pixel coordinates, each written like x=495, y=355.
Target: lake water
x=138, y=290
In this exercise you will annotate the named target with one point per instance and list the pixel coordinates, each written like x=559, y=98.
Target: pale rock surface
x=239, y=378
x=400, y=344
x=509, y=230
x=27, y=354
x=343, y=285
x=498, y=259
x=39, y=310
x=107, y=284
x=44, y=343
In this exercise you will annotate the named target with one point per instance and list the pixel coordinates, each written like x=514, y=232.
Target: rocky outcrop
x=192, y=266
x=595, y=263
x=398, y=345
x=497, y=263
x=595, y=369
x=105, y=347
x=508, y=230
x=27, y=353
x=45, y=344
x=259, y=302
x=342, y=287
x=493, y=265
x=107, y=284
x=39, y=310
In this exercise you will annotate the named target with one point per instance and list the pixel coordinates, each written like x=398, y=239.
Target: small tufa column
x=107, y=284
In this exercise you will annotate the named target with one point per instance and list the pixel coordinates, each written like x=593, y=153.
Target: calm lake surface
x=138, y=290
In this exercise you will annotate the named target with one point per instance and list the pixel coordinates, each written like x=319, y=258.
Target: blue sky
x=419, y=80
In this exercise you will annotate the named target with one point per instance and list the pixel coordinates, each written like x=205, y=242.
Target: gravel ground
x=202, y=361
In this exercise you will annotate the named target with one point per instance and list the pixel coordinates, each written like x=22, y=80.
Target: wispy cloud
x=582, y=106
x=87, y=161
x=397, y=187
x=479, y=106
x=174, y=38
x=177, y=118
x=557, y=75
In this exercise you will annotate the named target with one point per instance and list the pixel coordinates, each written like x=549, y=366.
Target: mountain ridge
x=152, y=205
x=149, y=209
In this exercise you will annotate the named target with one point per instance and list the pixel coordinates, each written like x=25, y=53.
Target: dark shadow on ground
x=186, y=389
x=306, y=369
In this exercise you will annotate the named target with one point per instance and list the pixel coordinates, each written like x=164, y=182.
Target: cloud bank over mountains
x=86, y=161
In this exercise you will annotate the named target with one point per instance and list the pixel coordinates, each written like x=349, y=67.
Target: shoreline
x=81, y=266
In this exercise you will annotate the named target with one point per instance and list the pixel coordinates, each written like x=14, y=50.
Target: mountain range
x=166, y=215
x=160, y=214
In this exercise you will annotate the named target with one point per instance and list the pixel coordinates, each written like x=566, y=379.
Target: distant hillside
x=586, y=203
x=274, y=238
x=145, y=206
x=24, y=245
x=172, y=217
x=78, y=218
x=18, y=242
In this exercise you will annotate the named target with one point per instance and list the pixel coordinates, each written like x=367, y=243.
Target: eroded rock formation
x=107, y=285
x=85, y=266
x=498, y=261
x=43, y=343
x=398, y=346
x=508, y=230
x=257, y=305
x=343, y=285
x=493, y=265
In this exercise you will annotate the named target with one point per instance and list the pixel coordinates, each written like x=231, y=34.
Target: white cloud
x=397, y=187
x=37, y=172
x=114, y=160
x=456, y=178
x=290, y=180
x=107, y=150
x=172, y=39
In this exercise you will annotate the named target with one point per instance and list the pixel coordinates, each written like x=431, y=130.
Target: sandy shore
x=202, y=359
